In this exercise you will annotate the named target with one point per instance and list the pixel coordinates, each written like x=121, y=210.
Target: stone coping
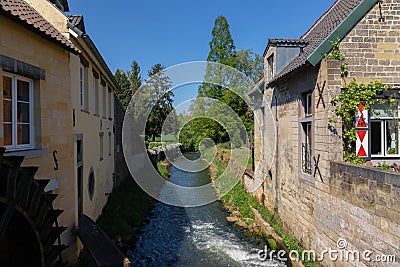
x=381, y=176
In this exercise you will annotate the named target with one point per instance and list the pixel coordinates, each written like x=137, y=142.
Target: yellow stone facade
x=60, y=121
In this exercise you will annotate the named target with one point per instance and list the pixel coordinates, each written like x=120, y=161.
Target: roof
x=30, y=18
x=86, y=38
x=335, y=23
x=61, y=4
x=77, y=21
x=285, y=42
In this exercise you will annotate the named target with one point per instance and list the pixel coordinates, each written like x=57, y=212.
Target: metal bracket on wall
x=316, y=161
x=55, y=160
x=320, y=92
x=381, y=18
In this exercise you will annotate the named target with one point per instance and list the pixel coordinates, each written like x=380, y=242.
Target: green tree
x=124, y=92
x=222, y=50
x=249, y=63
x=160, y=100
x=134, y=77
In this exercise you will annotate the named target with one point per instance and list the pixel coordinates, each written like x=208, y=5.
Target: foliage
x=129, y=82
x=126, y=209
x=123, y=93
x=222, y=47
x=335, y=54
x=155, y=144
x=160, y=100
x=222, y=50
x=384, y=166
x=134, y=77
x=353, y=159
x=162, y=170
x=249, y=63
x=242, y=200
x=346, y=107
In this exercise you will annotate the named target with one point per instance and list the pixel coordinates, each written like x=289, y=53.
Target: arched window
x=91, y=184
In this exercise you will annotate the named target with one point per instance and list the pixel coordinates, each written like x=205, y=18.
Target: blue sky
x=176, y=31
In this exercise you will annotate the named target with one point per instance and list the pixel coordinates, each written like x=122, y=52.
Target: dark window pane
x=23, y=134
x=376, y=138
x=23, y=91
x=7, y=87
x=392, y=137
x=23, y=112
x=7, y=134
x=7, y=111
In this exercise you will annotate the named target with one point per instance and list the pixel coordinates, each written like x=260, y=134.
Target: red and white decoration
x=362, y=121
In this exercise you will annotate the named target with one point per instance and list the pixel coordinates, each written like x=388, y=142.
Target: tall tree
x=222, y=47
x=134, y=77
x=222, y=50
x=124, y=92
x=160, y=100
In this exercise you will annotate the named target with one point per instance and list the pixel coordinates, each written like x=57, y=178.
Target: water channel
x=200, y=236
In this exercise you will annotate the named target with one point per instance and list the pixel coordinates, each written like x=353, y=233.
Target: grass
x=163, y=170
x=127, y=207
x=239, y=198
x=126, y=210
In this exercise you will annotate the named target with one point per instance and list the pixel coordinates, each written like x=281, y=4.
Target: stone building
x=319, y=198
x=57, y=109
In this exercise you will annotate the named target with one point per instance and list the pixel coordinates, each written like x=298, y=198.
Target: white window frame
x=384, y=148
x=308, y=104
x=14, y=123
x=383, y=121
x=271, y=66
x=110, y=100
x=104, y=100
x=96, y=96
x=82, y=86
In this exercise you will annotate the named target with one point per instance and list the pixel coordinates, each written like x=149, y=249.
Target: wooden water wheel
x=29, y=231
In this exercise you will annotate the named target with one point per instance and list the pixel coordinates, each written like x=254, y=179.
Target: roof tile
x=27, y=14
x=318, y=32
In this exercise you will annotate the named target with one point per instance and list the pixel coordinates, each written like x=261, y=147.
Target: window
x=83, y=88
x=101, y=144
x=104, y=101
x=109, y=144
x=96, y=93
x=385, y=128
x=18, y=112
x=307, y=148
x=308, y=104
x=110, y=102
x=385, y=138
x=271, y=67
x=306, y=139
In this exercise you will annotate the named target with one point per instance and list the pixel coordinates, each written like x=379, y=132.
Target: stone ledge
x=381, y=176
x=31, y=153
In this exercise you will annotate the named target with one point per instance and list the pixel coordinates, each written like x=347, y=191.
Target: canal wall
x=358, y=204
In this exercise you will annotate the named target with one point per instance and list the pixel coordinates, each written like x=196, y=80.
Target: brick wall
x=373, y=47
x=351, y=202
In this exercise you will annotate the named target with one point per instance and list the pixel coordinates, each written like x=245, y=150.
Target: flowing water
x=198, y=236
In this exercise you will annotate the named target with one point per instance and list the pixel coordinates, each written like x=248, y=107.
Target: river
x=200, y=236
